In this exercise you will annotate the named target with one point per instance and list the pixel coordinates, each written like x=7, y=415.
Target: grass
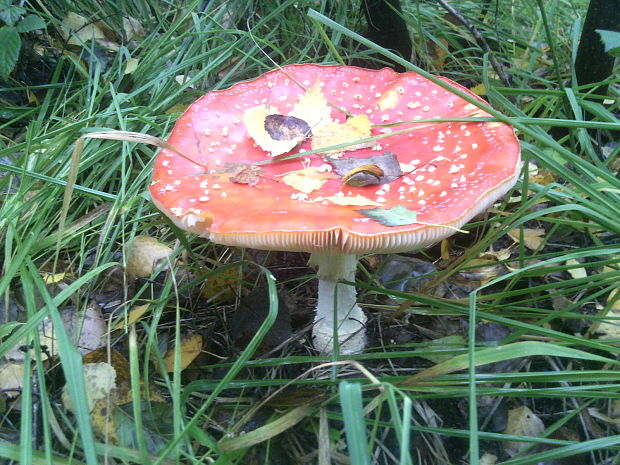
x=415, y=397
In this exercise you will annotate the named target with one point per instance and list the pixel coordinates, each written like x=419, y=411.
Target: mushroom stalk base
x=337, y=313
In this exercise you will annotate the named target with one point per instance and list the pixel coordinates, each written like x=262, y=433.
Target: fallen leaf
x=610, y=327
x=395, y=216
x=532, y=238
x=313, y=108
x=364, y=175
x=254, y=121
x=357, y=201
x=145, y=256
x=191, y=346
x=576, y=273
x=244, y=173
x=480, y=89
x=281, y=127
x=99, y=378
x=355, y=128
x=388, y=101
x=11, y=379
x=307, y=180
x=77, y=30
x=387, y=169
x=131, y=65
x=309, y=113
x=134, y=315
x=87, y=330
x=521, y=422
x=220, y=287
x=133, y=28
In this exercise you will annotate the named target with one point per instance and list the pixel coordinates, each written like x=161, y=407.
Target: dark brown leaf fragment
x=244, y=173
x=380, y=169
x=281, y=127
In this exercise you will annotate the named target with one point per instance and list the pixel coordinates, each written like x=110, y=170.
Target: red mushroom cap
x=451, y=171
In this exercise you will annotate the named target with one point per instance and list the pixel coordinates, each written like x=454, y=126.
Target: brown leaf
x=364, y=175
x=386, y=166
x=244, y=173
x=281, y=127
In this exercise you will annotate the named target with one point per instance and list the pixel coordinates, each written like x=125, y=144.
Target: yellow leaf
x=191, y=346
x=11, y=379
x=480, y=89
x=132, y=65
x=355, y=128
x=254, y=121
x=134, y=315
x=306, y=180
x=388, y=100
x=99, y=378
x=576, y=272
x=312, y=107
x=532, y=238
x=357, y=201
x=220, y=287
x=147, y=255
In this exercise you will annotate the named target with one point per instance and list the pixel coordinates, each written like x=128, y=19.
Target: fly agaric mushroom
x=404, y=191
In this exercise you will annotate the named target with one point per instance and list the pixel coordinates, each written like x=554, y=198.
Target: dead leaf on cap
x=357, y=201
x=281, y=127
x=395, y=216
x=307, y=180
x=254, y=121
x=277, y=133
x=355, y=128
x=364, y=175
x=244, y=173
x=365, y=171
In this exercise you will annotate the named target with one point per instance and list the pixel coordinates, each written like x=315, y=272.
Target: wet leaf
x=355, y=128
x=395, y=216
x=281, y=127
x=364, y=171
x=191, y=346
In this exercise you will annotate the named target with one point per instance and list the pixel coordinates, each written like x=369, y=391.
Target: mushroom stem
x=337, y=312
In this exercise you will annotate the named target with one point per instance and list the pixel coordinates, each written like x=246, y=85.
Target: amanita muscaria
x=222, y=184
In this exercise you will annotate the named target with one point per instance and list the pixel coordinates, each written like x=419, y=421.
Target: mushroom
x=221, y=184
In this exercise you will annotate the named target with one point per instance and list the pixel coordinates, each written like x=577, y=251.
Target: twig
x=480, y=40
